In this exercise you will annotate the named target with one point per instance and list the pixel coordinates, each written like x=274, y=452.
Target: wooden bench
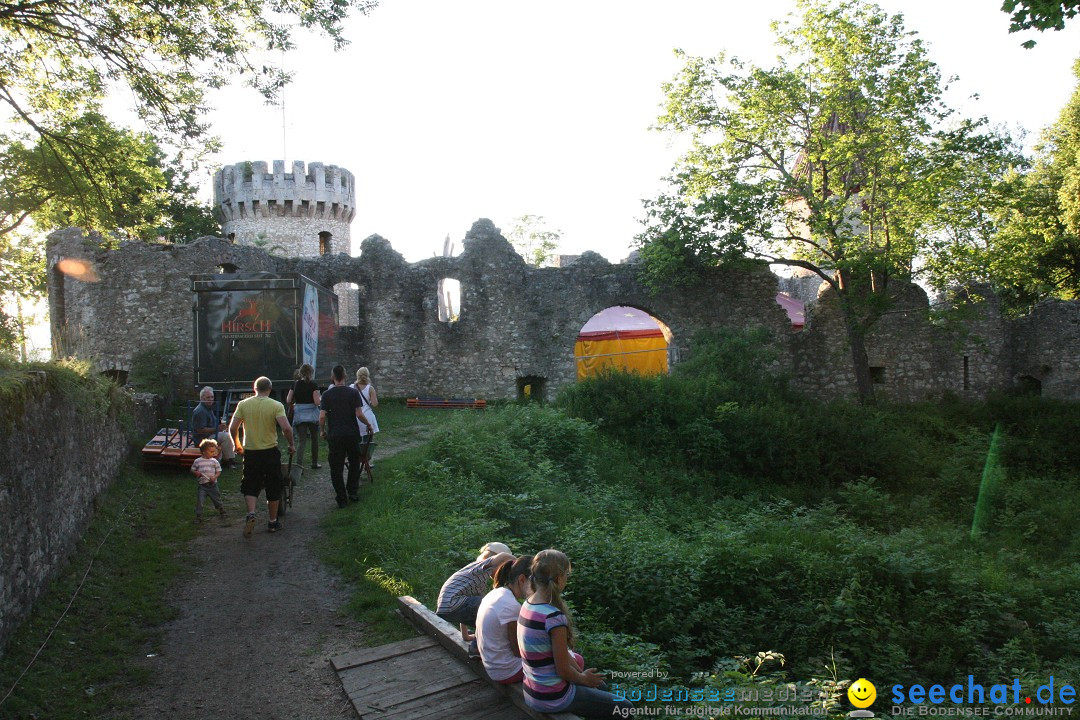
x=171, y=446
x=450, y=638
x=447, y=403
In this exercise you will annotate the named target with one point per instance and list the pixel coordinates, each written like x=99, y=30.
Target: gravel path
x=259, y=620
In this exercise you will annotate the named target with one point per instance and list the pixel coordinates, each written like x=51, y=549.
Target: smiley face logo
x=862, y=693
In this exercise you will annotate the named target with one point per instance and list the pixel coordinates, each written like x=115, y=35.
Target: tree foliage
x=534, y=240
x=1039, y=15
x=1036, y=254
x=59, y=59
x=61, y=54
x=22, y=278
x=842, y=160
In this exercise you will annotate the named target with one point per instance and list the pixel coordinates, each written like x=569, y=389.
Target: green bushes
x=711, y=515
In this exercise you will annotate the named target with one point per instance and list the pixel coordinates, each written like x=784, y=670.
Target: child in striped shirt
x=553, y=682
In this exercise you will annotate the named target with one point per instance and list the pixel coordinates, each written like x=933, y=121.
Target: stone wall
x=518, y=324
x=285, y=213
x=48, y=496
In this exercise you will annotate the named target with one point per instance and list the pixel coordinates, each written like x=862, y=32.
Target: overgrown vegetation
x=714, y=513
x=72, y=381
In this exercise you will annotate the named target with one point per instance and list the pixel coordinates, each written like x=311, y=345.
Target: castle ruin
x=517, y=324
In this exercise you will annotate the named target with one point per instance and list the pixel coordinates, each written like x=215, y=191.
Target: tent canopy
x=621, y=337
x=795, y=310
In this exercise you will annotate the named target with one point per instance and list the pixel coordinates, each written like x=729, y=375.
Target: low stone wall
x=54, y=463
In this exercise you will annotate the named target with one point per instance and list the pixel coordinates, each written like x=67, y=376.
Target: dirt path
x=259, y=620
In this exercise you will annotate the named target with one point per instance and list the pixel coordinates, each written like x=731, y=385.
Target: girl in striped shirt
x=553, y=682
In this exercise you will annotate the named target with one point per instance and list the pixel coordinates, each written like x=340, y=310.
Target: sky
x=447, y=112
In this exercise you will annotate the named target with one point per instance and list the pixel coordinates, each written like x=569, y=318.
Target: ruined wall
x=518, y=323
x=286, y=212
x=911, y=357
x=1045, y=347
x=136, y=297
x=47, y=497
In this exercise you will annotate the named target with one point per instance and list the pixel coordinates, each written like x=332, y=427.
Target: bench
x=450, y=638
x=447, y=403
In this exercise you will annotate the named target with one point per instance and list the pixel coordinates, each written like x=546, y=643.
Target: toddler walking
x=207, y=469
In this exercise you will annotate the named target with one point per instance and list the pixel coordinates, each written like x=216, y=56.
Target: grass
x=133, y=551
x=389, y=536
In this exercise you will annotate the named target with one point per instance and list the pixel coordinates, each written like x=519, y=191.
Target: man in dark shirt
x=339, y=410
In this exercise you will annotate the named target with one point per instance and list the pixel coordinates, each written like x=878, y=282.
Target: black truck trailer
x=248, y=324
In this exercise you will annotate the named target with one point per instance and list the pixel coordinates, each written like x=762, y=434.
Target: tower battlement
x=303, y=213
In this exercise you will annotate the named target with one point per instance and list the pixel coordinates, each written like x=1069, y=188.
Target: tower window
x=324, y=242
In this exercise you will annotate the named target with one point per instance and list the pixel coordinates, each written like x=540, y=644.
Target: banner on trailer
x=310, y=325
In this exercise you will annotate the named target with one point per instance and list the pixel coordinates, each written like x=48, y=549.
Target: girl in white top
x=370, y=399
x=496, y=621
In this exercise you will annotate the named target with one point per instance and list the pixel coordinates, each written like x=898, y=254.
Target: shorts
x=465, y=612
x=262, y=469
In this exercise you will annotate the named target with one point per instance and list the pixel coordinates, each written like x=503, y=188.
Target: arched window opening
x=324, y=242
x=348, y=304
x=623, y=338
x=449, y=300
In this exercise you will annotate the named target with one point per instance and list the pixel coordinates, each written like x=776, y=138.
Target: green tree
x=1039, y=15
x=100, y=177
x=1036, y=253
x=841, y=160
x=534, y=240
x=65, y=56
x=22, y=281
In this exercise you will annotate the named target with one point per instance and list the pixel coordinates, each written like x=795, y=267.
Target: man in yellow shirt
x=261, y=416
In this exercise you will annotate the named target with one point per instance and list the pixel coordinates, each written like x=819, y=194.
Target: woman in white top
x=370, y=400
x=496, y=621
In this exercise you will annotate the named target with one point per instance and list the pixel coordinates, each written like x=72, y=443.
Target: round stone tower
x=296, y=214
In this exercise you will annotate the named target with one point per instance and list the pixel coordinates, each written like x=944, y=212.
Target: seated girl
x=496, y=621
x=553, y=683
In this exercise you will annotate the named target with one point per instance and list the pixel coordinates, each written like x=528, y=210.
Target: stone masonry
x=518, y=323
x=304, y=213
x=48, y=496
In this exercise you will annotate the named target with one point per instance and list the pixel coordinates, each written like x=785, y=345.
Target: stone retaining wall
x=54, y=464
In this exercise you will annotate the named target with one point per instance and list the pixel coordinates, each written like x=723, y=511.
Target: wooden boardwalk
x=429, y=676
x=418, y=678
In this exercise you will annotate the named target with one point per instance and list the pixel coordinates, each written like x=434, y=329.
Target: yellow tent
x=624, y=338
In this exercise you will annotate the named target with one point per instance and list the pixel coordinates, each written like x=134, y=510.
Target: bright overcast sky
x=451, y=111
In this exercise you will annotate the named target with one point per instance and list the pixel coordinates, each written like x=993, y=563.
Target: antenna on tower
x=284, y=151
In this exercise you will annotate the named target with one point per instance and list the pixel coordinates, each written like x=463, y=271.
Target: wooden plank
x=450, y=638
x=424, y=663
x=446, y=634
x=465, y=701
x=383, y=652
x=427, y=681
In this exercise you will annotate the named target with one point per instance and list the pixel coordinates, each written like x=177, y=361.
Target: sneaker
x=249, y=525
x=342, y=503
x=354, y=498
x=315, y=466
x=198, y=519
x=273, y=526
x=221, y=511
